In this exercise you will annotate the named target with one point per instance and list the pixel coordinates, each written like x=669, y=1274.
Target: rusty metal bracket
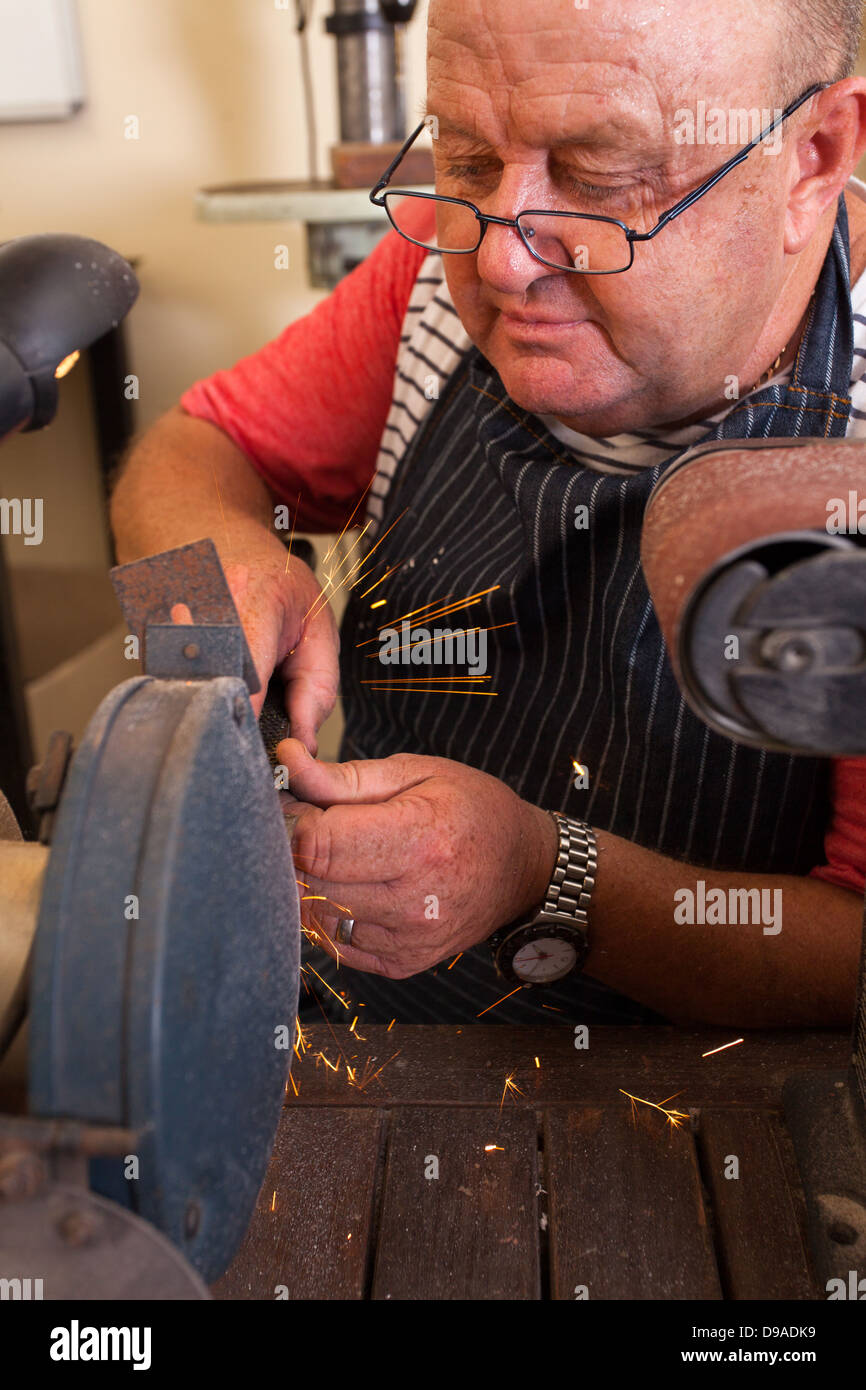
x=148, y=589
x=45, y=782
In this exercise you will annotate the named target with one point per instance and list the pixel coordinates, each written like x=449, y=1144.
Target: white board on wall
x=40, y=61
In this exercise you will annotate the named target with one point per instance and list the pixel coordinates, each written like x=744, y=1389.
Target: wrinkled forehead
x=523, y=69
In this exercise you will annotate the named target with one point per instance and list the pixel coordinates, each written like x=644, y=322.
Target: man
x=534, y=407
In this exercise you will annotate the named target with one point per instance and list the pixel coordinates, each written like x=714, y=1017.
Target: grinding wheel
x=165, y=970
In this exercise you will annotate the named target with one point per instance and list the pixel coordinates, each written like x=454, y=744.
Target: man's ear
x=830, y=145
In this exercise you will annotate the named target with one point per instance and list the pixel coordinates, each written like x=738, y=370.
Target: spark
x=714, y=1050
x=390, y=1025
x=326, y=1060
x=428, y=641
x=385, y=576
x=507, y=1088
x=488, y=1148
x=538, y=1064
x=455, y=960
x=498, y=1002
x=220, y=500
x=379, y=603
x=359, y=565
x=274, y=1201
x=321, y=599
x=578, y=767
x=349, y=1236
x=327, y=986
x=292, y=536
x=552, y=1009
x=294, y=1084
x=365, y=1079
x=349, y=522
x=300, y=1044
x=428, y=689
x=442, y=611
x=674, y=1117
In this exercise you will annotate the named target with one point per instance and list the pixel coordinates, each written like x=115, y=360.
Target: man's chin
x=545, y=384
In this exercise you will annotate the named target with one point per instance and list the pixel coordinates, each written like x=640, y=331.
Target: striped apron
x=583, y=674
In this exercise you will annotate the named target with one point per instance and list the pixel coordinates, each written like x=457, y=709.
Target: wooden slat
x=323, y=1172
x=627, y=1219
x=473, y=1231
x=467, y=1066
x=759, y=1216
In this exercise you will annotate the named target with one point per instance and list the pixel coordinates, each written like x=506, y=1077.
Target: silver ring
x=343, y=934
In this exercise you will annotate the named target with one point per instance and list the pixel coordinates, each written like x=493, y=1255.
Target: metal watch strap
x=573, y=879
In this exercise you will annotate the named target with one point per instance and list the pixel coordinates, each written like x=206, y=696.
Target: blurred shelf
x=297, y=201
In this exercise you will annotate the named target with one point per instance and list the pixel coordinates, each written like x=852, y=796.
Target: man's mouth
x=527, y=326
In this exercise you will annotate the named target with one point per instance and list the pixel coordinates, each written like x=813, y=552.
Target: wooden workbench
x=578, y=1193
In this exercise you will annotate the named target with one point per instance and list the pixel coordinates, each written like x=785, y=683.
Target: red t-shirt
x=308, y=410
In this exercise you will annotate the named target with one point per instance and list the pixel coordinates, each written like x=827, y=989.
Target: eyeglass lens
x=560, y=240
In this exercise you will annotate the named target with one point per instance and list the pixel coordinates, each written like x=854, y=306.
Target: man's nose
x=503, y=258
x=504, y=261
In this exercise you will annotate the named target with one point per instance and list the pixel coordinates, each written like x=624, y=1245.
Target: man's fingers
x=358, y=844
x=364, y=902
x=360, y=780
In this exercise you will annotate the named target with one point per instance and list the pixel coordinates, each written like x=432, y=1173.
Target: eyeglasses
x=581, y=242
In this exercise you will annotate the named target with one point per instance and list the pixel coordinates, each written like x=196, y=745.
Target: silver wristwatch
x=555, y=942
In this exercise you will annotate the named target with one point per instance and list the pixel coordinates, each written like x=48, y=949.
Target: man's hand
x=290, y=628
x=186, y=480
x=427, y=855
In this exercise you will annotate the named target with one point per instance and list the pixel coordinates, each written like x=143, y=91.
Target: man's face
x=544, y=105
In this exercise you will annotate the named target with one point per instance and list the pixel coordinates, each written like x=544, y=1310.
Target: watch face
x=544, y=959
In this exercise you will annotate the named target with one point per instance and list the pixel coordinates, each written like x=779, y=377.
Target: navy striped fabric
x=491, y=498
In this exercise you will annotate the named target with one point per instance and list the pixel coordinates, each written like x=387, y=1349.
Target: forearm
x=185, y=480
x=743, y=974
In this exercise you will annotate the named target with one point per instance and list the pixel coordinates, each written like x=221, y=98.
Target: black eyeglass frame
x=377, y=197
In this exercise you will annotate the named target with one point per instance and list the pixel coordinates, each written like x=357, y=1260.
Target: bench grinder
x=151, y=938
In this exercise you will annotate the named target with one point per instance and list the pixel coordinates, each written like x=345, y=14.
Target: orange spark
x=674, y=1117
x=385, y=576
x=327, y=986
x=349, y=522
x=488, y=1148
x=455, y=960
x=365, y=1080
x=326, y=1060
x=390, y=1025
x=508, y=1087
x=714, y=1050
x=292, y=536
x=274, y=1201
x=498, y=1002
